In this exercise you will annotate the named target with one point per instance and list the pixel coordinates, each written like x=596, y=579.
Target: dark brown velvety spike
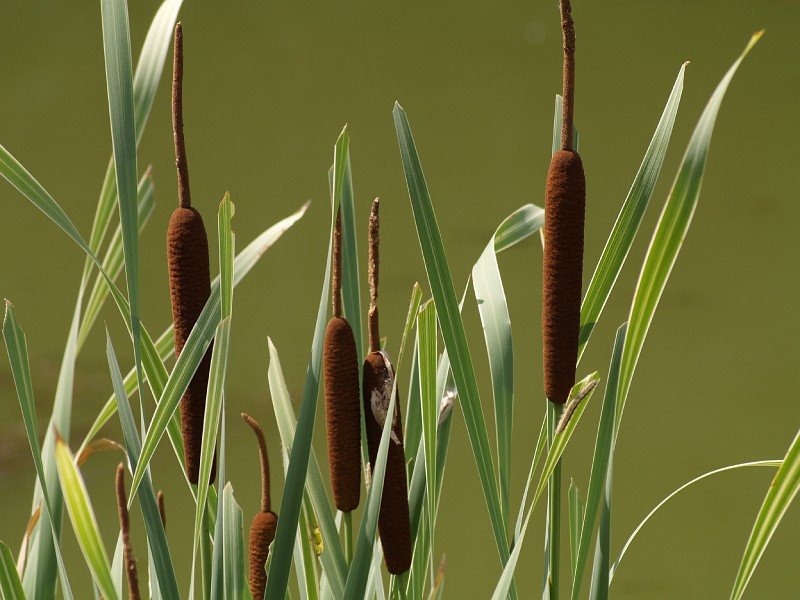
x=190, y=287
x=565, y=205
x=393, y=520
x=343, y=413
x=262, y=533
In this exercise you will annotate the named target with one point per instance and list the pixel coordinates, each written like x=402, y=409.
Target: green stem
x=347, y=534
x=553, y=532
x=205, y=558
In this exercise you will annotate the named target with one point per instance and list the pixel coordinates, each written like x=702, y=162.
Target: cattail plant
x=125, y=528
x=262, y=529
x=342, y=409
x=565, y=203
x=189, y=277
x=378, y=380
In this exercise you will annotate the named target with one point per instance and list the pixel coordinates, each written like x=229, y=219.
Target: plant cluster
x=402, y=453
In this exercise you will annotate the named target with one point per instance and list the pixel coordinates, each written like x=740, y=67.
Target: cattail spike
x=266, y=500
x=562, y=272
x=184, y=194
x=124, y=525
x=568, y=92
x=374, y=271
x=336, y=280
x=189, y=278
x=394, y=523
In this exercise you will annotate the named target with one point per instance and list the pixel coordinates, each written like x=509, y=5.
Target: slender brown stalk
x=162, y=510
x=374, y=271
x=565, y=206
x=184, y=193
x=189, y=278
x=265, y=523
x=336, y=278
x=568, y=76
x=125, y=527
x=378, y=380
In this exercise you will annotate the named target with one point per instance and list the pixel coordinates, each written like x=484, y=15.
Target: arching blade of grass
x=280, y=563
x=10, y=585
x=782, y=490
x=113, y=261
x=17, y=348
x=332, y=557
x=164, y=347
x=579, y=396
x=83, y=520
x=156, y=537
x=629, y=218
x=455, y=340
x=496, y=321
x=603, y=451
x=359, y=571
x=673, y=224
x=119, y=83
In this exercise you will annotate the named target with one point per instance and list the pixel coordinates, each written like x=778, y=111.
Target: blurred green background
x=268, y=88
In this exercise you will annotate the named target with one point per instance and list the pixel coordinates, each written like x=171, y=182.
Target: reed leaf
x=455, y=340
x=83, y=520
x=629, y=218
x=233, y=546
x=10, y=585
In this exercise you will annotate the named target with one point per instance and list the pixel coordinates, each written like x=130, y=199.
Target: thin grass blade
x=10, y=585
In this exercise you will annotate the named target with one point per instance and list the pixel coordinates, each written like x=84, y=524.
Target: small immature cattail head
x=189, y=277
x=125, y=526
x=393, y=520
x=265, y=523
x=565, y=207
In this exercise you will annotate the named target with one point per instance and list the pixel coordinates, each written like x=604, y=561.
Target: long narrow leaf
x=83, y=520
x=10, y=585
x=455, y=340
x=629, y=218
x=673, y=224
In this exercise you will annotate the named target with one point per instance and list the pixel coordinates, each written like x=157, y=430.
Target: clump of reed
x=265, y=522
x=189, y=277
x=342, y=407
x=125, y=529
x=378, y=381
x=565, y=206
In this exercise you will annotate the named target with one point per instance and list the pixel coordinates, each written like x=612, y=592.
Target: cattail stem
x=125, y=525
x=374, y=270
x=162, y=510
x=568, y=92
x=184, y=194
x=336, y=279
x=266, y=500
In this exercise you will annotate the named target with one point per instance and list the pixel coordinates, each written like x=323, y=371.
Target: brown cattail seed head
x=565, y=205
x=393, y=519
x=262, y=534
x=343, y=413
x=189, y=278
x=190, y=287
